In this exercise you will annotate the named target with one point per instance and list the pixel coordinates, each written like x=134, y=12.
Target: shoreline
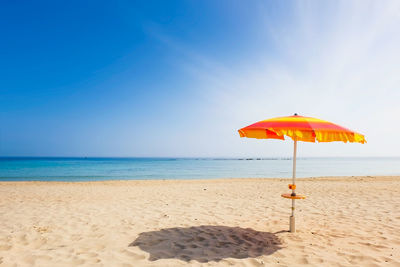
x=311, y=178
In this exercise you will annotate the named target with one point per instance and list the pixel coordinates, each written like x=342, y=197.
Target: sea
x=99, y=169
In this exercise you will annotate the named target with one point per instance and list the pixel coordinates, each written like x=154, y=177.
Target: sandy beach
x=352, y=221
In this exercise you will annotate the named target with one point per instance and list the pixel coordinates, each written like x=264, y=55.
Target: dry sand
x=344, y=222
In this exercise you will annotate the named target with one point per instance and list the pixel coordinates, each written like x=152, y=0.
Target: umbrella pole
x=292, y=227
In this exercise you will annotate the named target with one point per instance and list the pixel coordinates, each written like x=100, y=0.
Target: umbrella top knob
x=295, y=114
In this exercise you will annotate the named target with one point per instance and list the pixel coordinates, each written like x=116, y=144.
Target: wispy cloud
x=339, y=62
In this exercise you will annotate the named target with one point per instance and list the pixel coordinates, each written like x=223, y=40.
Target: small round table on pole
x=293, y=196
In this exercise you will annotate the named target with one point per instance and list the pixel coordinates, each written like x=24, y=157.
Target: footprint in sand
x=5, y=247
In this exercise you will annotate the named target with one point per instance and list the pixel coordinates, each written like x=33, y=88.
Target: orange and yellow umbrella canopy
x=300, y=128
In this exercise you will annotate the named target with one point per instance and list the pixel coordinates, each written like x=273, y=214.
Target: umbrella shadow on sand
x=207, y=243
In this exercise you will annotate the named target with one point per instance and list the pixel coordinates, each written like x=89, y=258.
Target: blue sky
x=178, y=78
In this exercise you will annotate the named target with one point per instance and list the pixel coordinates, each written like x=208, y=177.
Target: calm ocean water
x=89, y=169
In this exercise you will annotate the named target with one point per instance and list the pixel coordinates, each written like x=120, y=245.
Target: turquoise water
x=90, y=169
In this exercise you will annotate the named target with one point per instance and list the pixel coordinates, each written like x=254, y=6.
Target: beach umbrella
x=299, y=128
